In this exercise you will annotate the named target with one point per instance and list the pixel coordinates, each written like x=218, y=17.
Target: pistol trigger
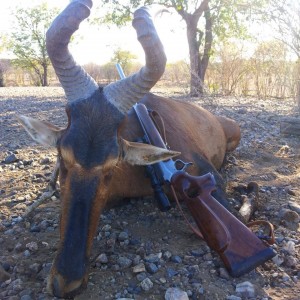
x=186, y=165
x=181, y=165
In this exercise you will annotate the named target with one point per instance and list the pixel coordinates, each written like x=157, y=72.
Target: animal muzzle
x=62, y=287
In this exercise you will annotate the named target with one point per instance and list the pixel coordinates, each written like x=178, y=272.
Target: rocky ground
x=140, y=252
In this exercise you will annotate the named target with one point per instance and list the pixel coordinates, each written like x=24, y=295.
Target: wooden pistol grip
x=196, y=193
x=239, y=248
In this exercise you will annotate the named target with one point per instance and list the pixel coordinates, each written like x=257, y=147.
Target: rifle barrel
x=120, y=71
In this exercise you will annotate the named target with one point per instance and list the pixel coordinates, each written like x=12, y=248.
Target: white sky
x=98, y=43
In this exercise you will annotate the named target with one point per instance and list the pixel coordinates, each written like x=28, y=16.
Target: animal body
x=99, y=159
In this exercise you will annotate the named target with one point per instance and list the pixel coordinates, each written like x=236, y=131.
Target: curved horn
x=124, y=93
x=76, y=83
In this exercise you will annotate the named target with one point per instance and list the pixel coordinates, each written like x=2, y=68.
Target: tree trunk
x=198, y=62
x=1, y=78
x=196, y=87
x=45, y=75
x=207, y=44
x=298, y=85
x=298, y=95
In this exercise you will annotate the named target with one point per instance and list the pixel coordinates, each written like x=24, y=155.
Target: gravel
x=140, y=252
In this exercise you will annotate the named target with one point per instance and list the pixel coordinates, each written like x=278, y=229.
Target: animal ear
x=144, y=154
x=42, y=132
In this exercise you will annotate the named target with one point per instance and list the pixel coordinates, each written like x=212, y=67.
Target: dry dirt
x=128, y=235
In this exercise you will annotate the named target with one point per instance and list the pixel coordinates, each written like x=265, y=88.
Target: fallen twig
x=47, y=194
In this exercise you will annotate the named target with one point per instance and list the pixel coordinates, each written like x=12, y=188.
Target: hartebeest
x=98, y=155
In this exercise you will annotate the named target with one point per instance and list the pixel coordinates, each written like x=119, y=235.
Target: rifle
x=239, y=248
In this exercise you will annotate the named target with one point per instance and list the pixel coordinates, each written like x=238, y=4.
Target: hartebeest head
x=89, y=148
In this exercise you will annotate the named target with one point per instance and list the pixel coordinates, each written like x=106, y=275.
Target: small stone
x=146, y=284
x=291, y=192
x=151, y=268
x=224, y=274
x=102, y=258
x=136, y=260
x=45, y=244
x=26, y=253
x=153, y=258
x=3, y=274
x=141, y=276
x=277, y=260
x=12, y=297
x=208, y=257
x=17, y=285
x=289, y=247
x=245, y=289
x=21, y=199
x=27, y=162
x=294, y=206
x=197, y=252
x=167, y=255
x=106, y=227
x=285, y=277
x=6, y=266
x=232, y=297
x=45, y=161
x=9, y=232
x=139, y=268
x=171, y=272
x=162, y=280
x=10, y=159
x=35, y=228
x=26, y=297
x=35, y=268
x=32, y=246
x=176, y=294
x=200, y=290
x=124, y=262
x=291, y=261
x=123, y=236
x=19, y=247
x=289, y=219
x=176, y=259
x=279, y=239
x=242, y=111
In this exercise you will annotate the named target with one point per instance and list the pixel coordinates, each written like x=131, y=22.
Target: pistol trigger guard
x=184, y=164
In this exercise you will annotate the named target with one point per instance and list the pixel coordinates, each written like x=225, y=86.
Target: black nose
x=57, y=288
x=60, y=289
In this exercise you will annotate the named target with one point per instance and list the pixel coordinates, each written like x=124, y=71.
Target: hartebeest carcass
x=95, y=147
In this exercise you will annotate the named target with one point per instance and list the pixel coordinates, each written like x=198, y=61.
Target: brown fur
x=189, y=128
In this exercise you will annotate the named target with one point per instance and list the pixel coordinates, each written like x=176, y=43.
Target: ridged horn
x=76, y=83
x=126, y=92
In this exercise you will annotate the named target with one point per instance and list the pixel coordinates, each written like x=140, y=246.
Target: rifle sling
x=269, y=239
x=193, y=228
x=161, y=129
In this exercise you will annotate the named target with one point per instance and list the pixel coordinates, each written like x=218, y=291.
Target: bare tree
x=204, y=20
x=4, y=67
x=284, y=16
x=230, y=68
